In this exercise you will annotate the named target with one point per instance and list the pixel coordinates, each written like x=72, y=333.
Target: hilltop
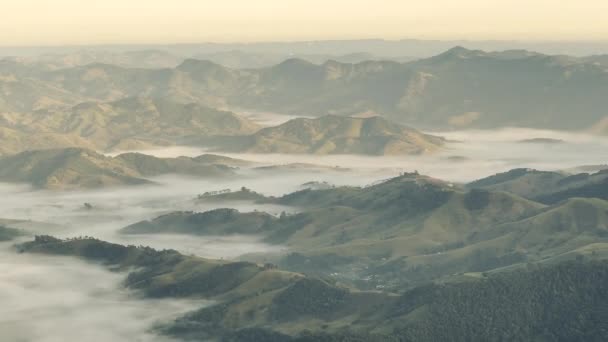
x=339, y=135
x=214, y=222
x=72, y=168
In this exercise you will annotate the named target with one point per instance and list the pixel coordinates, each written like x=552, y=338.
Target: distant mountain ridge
x=74, y=168
x=547, y=186
x=459, y=88
x=127, y=124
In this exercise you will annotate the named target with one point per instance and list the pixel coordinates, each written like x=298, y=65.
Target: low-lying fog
x=63, y=299
x=59, y=299
x=468, y=155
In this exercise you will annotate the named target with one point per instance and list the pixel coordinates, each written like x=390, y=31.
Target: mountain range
x=460, y=88
x=126, y=124
x=406, y=231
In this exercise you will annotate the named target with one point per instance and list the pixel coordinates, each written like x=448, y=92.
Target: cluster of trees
x=564, y=302
x=308, y=296
x=214, y=193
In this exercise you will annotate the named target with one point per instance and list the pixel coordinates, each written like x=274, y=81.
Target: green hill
x=339, y=135
x=129, y=123
x=564, y=301
x=389, y=230
x=227, y=195
x=149, y=166
x=407, y=231
x=81, y=168
x=214, y=222
x=528, y=183
x=547, y=187
x=581, y=185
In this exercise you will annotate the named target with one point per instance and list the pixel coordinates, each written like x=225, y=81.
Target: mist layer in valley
x=468, y=155
x=51, y=299
x=63, y=299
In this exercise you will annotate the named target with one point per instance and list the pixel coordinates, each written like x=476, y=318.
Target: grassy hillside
x=564, y=301
x=408, y=230
x=402, y=232
x=81, y=168
x=129, y=123
x=339, y=135
x=214, y=222
x=547, y=187
x=243, y=194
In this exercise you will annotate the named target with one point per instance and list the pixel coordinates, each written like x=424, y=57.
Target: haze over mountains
x=300, y=192
x=390, y=48
x=125, y=124
x=457, y=89
x=432, y=247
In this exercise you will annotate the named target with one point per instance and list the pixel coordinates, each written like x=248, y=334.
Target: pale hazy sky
x=49, y=22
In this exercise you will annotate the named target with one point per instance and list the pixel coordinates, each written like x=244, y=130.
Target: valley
x=310, y=196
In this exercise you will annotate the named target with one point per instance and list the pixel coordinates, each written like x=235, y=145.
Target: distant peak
x=192, y=63
x=458, y=52
x=458, y=49
x=295, y=62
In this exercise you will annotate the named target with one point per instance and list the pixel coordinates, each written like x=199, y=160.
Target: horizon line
x=296, y=41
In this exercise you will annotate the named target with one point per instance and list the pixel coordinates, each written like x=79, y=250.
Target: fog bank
x=62, y=299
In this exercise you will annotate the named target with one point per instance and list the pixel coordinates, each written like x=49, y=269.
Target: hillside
x=405, y=231
x=17, y=140
x=547, y=187
x=459, y=88
x=565, y=301
x=424, y=231
x=387, y=230
x=527, y=183
x=71, y=168
x=214, y=222
x=339, y=135
x=129, y=123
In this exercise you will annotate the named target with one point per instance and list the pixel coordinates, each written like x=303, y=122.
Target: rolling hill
x=338, y=135
x=459, y=88
x=406, y=231
x=564, y=301
x=72, y=168
x=126, y=124
x=214, y=222
x=547, y=187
